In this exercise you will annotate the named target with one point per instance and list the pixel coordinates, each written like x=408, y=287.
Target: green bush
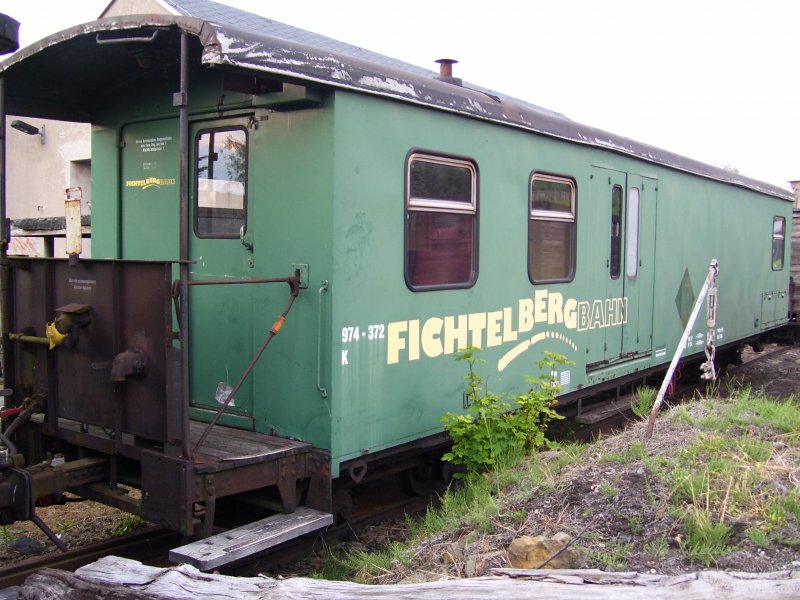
x=493, y=428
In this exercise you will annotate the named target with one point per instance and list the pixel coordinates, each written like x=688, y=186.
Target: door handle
x=246, y=244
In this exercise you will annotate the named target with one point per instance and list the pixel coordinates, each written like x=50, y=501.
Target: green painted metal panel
x=106, y=192
x=291, y=183
x=150, y=191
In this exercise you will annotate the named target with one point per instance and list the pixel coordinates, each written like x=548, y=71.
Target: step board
x=235, y=544
x=605, y=411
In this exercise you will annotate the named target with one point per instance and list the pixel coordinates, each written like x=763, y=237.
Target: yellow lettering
x=455, y=336
x=493, y=324
x=431, y=343
x=540, y=306
x=525, y=315
x=477, y=323
x=413, y=340
x=394, y=341
x=583, y=316
x=509, y=335
x=554, y=312
x=571, y=313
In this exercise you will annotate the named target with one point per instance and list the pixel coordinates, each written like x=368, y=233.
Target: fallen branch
x=124, y=579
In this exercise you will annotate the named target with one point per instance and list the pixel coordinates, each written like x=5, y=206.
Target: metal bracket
x=302, y=269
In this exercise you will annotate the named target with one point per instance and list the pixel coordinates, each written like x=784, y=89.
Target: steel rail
x=150, y=543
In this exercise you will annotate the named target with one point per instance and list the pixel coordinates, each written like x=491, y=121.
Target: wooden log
x=121, y=578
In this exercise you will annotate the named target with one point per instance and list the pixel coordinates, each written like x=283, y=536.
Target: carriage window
x=778, y=242
x=551, y=229
x=441, y=222
x=632, y=258
x=221, y=183
x=616, y=232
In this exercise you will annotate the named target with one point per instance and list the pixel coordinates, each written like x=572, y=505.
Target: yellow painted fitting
x=276, y=326
x=54, y=336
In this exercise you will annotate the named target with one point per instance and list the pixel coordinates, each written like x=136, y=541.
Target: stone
x=528, y=552
x=26, y=545
x=453, y=554
x=471, y=566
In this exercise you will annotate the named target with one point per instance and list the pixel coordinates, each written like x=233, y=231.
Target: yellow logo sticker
x=150, y=182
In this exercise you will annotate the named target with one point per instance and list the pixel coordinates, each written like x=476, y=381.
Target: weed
x=758, y=536
x=682, y=415
x=755, y=450
x=645, y=399
x=608, y=490
x=359, y=565
x=658, y=547
x=65, y=525
x=468, y=504
x=612, y=556
x=778, y=510
x=636, y=451
x=8, y=534
x=126, y=524
x=634, y=523
x=706, y=539
x=519, y=515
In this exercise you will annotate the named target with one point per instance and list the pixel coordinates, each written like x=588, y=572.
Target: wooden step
x=605, y=411
x=241, y=542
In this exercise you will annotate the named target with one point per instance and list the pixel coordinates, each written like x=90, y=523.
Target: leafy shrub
x=494, y=428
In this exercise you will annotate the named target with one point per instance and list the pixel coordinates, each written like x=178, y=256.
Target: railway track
x=152, y=545
x=147, y=545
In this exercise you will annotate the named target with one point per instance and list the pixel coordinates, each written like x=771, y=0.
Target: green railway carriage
x=411, y=215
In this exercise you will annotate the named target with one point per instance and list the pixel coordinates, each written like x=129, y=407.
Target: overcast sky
x=715, y=80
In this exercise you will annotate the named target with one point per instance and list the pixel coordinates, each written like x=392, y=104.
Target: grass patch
x=658, y=548
x=636, y=451
x=731, y=466
x=608, y=489
x=612, y=556
x=758, y=536
x=725, y=472
x=645, y=399
x=706, y=538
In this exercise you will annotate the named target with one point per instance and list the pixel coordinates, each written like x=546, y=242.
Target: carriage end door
x=220, y=315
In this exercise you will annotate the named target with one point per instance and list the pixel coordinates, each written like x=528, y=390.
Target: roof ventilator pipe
x=446, y=71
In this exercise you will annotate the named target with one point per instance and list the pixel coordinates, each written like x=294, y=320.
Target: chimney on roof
x=446, y=71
